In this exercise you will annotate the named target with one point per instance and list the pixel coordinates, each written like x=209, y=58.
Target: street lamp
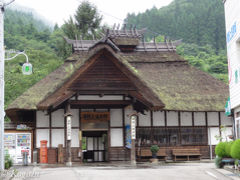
x=27, y=67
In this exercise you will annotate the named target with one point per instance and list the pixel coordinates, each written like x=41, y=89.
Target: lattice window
x=196, y=135
x=171, y=136
x=143, y=136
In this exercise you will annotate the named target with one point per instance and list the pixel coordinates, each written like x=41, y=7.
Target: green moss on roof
x=182, y=87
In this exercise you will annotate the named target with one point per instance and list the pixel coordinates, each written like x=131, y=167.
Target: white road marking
x=211, y=174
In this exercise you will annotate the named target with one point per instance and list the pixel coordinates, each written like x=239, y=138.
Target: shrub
x=154, y=149
x=8, y=161
x=228, y=148
x=218, y=162
x=235, y=149
x=220, y=149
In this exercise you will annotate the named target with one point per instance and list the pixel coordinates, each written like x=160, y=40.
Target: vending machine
x=10, y=145
x=16, y=144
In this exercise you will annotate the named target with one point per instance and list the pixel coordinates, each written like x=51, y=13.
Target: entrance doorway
x=94, y=146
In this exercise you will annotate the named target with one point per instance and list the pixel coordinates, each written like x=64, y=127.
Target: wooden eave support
x=99, y=102
x=114, y=104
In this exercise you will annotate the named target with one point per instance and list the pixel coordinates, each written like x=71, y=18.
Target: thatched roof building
x=105, y=81
x=165, y=79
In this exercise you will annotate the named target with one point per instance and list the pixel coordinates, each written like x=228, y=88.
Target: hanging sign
x=128, y=136
x=133, y=126
x=228, y=107
x=69, y=128
x=95, y=116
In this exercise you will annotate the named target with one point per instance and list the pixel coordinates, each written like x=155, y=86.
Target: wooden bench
x=146, y=153
x=186, y=154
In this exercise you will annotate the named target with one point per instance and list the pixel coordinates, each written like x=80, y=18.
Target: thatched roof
x=165, y=78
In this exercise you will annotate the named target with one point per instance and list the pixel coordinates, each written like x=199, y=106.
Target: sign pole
x=69, y=137
x=133, y=119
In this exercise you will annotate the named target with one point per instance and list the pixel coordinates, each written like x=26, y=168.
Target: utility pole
x=2, y=57
x=2, y=113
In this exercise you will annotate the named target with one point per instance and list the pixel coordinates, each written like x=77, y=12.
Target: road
x=172, y=171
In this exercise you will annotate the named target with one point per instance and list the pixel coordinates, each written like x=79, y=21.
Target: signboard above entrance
x=95, y=116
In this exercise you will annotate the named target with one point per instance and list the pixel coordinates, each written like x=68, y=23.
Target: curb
x=228, y=172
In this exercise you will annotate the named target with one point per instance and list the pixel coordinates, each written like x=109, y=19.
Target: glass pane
x=144, y=136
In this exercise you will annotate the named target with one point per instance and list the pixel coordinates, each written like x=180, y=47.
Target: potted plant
x=154, y=149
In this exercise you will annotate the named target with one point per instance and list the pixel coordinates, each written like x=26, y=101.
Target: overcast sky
x=56, y=11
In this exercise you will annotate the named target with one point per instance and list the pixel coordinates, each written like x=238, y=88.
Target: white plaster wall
x=75, y=137
x=116, y=118
x=213, y=119
x=144, y=120
x=42, y=134
x=75, y=117
x=58, y=118
x=57, y=137
x=96, y=97
x=42, y=119
x=186, y=118
x=199, y=119
x=116, y=137
x=172, y=118
x=227, y=133
x=225, y=120
x=212, y=132
x=158, y=118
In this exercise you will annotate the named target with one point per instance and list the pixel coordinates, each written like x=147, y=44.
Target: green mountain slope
x=23, y=32
x=195, y=21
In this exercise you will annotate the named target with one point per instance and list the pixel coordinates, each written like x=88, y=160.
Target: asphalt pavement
x=121, y=171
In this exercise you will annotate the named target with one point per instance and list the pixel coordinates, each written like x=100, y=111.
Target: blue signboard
x=128, y=136
x=232, y=32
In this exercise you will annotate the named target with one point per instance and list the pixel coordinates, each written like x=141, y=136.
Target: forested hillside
x=201, y=26
x=23, y=32
x=195, y=21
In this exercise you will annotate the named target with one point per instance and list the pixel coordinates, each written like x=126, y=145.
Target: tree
x=86, y=23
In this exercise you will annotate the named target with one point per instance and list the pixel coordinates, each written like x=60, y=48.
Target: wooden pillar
x=69, y=128
x=165, y=118
x=80, y=135
x=193, y=123
x=50, y=129
x=179, y=128
x=219, y=123
x=123, y=125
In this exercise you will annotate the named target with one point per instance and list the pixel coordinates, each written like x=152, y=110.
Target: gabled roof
x=54, y=87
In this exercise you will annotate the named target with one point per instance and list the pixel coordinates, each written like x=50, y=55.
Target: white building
x=232, y=16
